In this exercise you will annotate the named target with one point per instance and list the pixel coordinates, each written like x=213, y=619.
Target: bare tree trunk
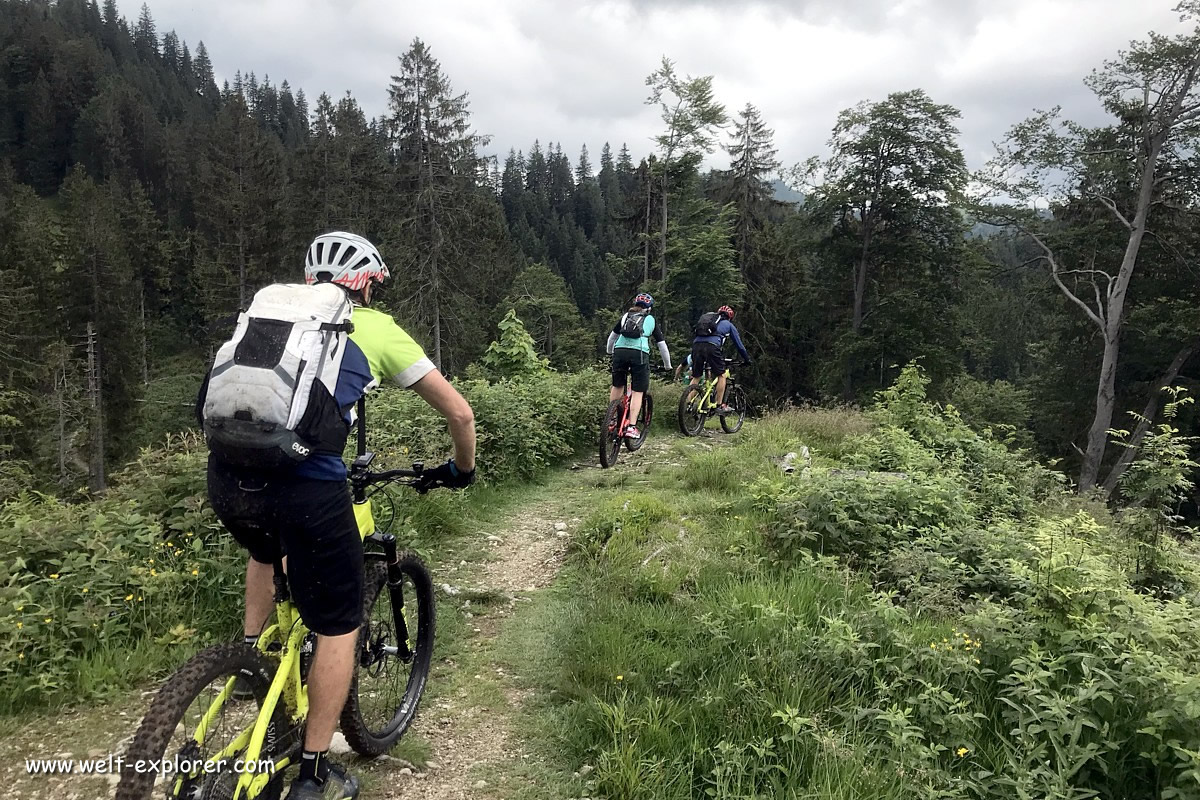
x=60, y=389
x=96, y=480
x=646, y=246
x=1113, y=322
x=860, y=292
x=437, y=314
x=1148, y=415
x=663, y=233
x=145, y=344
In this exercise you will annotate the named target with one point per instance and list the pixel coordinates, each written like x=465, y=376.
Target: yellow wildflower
x=962, y=751
x=85, y=590
x=21, y=657
x=128, y=597
x=20, y=625
x=170, y=544
x=153, y=572
x=54, y=576
x=932, y=646
x=48, y=620
x=195, y=572
x=620, y=677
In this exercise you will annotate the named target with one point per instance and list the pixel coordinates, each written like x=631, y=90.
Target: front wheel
x=691, y=418
x=645, y=415
x=194, y=720
x=736, y=399
x=610, y=434
x=391, y=668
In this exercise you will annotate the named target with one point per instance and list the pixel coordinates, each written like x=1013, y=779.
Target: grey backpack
x=268, y=402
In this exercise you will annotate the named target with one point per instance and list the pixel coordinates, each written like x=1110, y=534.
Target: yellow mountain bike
x=698, y=403
x=228, y=724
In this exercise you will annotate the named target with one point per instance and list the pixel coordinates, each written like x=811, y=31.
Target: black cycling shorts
x=312, y=522
x=636, y=363
x=706, y=355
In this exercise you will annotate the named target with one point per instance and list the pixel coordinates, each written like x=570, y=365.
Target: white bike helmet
x=345, y=259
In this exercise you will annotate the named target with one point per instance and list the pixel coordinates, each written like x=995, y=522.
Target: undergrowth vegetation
x=98, y=594
x=920, y=613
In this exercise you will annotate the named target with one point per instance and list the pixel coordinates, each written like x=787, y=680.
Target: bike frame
x=710, y=386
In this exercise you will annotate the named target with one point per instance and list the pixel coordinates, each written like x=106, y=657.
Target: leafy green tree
x=557, y=328
x=893, y=166
x=512, y=356
x=1133, y=169
x=692, y=117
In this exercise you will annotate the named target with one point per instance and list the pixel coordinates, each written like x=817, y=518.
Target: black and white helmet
x=344, y=258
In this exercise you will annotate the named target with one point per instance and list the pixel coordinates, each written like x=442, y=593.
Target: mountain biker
x=629, y=346
x=307, y=511
x=683, y=372
x=707, y=354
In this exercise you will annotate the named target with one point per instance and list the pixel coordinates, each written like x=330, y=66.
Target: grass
x=683, y=655
x=670, y=644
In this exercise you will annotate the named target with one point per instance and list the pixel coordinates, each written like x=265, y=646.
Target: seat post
x=280, y=580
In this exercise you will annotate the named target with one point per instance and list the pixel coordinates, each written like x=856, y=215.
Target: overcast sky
x=573, y=72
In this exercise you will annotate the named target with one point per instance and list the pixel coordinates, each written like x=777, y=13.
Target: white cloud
x=574, y=72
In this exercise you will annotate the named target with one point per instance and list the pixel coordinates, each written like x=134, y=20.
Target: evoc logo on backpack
x=268, y=401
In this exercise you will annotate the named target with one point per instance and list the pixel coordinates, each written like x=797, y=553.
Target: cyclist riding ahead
x=629, y=346
x=306, y=511
x=711, y=332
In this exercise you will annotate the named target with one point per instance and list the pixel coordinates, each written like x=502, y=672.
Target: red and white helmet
x=726, y=312
x=344, y=258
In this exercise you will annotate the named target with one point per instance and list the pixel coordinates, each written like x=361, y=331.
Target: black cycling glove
x=448, y=475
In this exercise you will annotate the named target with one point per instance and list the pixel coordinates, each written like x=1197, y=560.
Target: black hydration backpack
x=633, y=323
x=268, y=401
x=707, y=324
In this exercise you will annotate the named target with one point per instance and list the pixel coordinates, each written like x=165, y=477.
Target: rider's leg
x=326, y=576
x=328, y=685
x=618, y=379
x=260, y=596
x=720, y=398
x=635, y=406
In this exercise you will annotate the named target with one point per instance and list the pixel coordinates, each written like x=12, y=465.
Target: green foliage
x=962, y=630
x=1156, y=482
x=522, y=425
x=512, y=356
x=82, y=584
x=996, y=406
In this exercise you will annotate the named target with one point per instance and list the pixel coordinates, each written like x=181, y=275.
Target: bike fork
x=395, y=587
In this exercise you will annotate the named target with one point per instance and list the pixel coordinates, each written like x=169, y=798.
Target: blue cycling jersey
x=726, y=330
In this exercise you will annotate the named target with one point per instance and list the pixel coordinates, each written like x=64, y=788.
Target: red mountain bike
x=616, y=419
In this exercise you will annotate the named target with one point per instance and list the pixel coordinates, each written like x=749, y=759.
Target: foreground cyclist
x=629, y=346
x=711, y=332
x=308, y=509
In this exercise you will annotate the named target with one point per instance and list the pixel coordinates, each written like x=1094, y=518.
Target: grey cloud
x=574, y=72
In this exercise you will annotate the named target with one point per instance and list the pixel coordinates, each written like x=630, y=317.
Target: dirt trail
x=470, y=729
x=473, y=744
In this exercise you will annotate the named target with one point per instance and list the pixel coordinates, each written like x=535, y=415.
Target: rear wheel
x=645, y=415
x=610, y=434
x=388, y=685
x=168, y=733
x=736, y=399
x=691, y=418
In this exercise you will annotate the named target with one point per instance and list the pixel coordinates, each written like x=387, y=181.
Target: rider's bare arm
x=445, y=399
